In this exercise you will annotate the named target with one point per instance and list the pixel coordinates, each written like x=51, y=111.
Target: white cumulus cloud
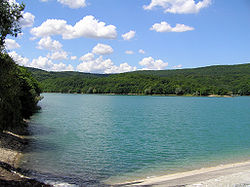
x=124, y=67
x=23, y=61
x=47, y=64
x=129, y=35
x=62, y=67
x=165, y=27
x=58, y=55
x=87, y=57
x=11, y=44
x=178, y=6
x=88, y=27
x=99, y=65
x=49, y=44
x=27, y=20
x=151, y=64
x=51, y=27
x=41, y=62
x=102, y=49
x=73, y=3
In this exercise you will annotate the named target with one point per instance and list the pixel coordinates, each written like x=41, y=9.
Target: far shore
x=229, y=175
x=167, y=95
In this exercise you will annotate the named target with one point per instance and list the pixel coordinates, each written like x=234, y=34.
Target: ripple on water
x=91, y=138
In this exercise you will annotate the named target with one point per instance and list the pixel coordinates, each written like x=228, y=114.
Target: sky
x=115, y=36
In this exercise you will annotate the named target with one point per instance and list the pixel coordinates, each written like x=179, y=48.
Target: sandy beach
x=229, y=175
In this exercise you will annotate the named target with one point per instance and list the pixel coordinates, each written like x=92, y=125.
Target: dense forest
x=212, y=80
x=19, y=91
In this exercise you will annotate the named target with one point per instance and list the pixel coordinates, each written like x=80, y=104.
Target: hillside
x=41, y=75
x=220, y=80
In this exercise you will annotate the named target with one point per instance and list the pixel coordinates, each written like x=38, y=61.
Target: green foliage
x=10, y=105
x=220, y=80
x=29, y=95
x=19, y=93
x=10, y=15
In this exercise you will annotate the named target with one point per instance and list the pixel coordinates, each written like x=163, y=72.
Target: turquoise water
x=97, y=139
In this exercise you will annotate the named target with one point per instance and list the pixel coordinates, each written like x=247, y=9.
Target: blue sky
x=115, y=36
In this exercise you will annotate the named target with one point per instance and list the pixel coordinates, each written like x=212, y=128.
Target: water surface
x=92, y=139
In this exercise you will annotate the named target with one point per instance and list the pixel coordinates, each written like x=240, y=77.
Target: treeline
x=19, y=93
x=218, y=80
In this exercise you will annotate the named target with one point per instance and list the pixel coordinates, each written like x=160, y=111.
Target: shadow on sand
x=12, y=141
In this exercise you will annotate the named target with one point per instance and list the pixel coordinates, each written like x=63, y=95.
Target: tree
x=29, y=94
x=19, y=91
x=10, y=13
x=10, y=105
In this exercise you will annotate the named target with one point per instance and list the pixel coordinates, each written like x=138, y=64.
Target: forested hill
x=219, y=80
x=41, y=75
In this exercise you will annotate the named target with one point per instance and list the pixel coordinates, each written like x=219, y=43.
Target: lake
x=99, y=139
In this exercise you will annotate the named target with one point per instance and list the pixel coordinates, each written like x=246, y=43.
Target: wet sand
x=11, y=147
x=229, y=175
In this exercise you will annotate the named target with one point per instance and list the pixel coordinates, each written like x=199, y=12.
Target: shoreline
x=234, y=174
x=12, y=146
x=163, y=95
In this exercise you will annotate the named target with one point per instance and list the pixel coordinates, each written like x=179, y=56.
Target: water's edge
x=79, y=138
x=199, y=175
x=12, y=146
